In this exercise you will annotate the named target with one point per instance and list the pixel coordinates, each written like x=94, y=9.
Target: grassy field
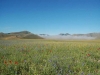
x=49, y=57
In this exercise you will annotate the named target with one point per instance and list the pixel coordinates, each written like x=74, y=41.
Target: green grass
x=49, y=57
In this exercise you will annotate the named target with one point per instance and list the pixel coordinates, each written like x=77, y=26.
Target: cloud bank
x=68, y=37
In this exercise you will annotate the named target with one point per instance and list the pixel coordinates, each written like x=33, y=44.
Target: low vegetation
x=47, y=57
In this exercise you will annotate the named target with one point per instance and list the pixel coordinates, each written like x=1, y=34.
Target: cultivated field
x=49, y=57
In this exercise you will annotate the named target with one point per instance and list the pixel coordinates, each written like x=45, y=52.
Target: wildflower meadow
x=49, y=57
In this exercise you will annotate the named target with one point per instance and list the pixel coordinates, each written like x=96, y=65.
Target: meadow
x=49, y=57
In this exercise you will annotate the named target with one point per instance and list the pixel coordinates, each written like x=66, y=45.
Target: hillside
x=29, y=35
x=19, y=35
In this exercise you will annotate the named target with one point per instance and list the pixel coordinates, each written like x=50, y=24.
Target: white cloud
x=68, y=37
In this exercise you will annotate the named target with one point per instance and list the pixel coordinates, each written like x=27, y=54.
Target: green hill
x=19, y=35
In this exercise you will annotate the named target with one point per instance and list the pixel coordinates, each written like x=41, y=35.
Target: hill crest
x=19, y=35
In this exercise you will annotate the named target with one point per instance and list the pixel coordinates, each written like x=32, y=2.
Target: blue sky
x=50, y=16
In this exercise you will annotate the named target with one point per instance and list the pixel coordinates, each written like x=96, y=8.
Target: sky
x=50, y=16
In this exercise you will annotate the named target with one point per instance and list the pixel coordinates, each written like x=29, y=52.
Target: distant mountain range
x=73, y=36
x=96, y=35
x=29, y=35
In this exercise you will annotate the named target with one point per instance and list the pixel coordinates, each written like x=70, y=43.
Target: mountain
x=29, y=35
x=96, y=35
x=19, y=35
x=67, y=36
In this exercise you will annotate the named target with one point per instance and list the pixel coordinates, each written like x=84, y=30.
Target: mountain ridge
x=29, y=35
x=19, y=35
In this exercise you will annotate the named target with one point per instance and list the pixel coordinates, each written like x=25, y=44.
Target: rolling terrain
x=19, y=35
